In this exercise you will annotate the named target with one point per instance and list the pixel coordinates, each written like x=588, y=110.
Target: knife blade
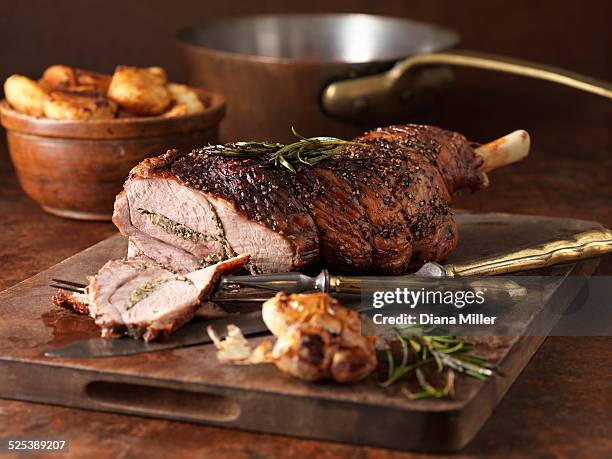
x=189, y=335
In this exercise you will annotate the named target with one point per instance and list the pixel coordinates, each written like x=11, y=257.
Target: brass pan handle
x=388, y=94
x=588, y=244
x=520, y=67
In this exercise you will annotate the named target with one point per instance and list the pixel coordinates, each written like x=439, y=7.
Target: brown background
x=559, y=406
x=98, y=34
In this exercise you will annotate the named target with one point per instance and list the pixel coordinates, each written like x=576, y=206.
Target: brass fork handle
x=588, y=244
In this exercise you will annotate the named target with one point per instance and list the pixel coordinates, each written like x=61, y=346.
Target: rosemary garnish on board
x=443, y=354
x=307, y=150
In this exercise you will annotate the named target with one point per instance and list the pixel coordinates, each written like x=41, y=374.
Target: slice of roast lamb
x=144, y=300
x=79, y=303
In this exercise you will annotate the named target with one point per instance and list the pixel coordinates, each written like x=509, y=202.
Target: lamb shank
x=377, y=205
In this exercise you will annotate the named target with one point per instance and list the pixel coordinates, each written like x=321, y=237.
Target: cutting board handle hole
x=163, y=401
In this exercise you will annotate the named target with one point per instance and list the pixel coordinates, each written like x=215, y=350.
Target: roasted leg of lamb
x=379, y=205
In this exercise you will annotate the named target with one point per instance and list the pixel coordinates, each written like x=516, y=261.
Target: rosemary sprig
x=307, y=150
x=445, y=353
x=245, y=149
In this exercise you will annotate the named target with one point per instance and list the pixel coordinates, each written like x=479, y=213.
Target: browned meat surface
x=375, y=208
x=76, y=302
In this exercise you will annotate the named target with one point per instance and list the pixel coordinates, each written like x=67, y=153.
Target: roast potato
x=123, y=114
x=141, y=91
x=158, y=73
x=65, y=92
x=78, y=105
x=93, y=80
x=177, y=110
x=64, y=77
x=58, y=77
x=185, y=96
x=25, y=95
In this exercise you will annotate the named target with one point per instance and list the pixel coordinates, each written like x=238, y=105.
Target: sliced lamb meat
x=145, y=245
x=202, y=229
x=374, y=208
x=79, y=302
x=111, y=291
x=144, y=300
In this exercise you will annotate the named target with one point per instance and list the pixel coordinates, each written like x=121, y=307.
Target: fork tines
x=76, y=287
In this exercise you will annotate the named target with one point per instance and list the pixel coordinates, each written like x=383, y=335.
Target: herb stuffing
x=184, y=232
x=147, y=288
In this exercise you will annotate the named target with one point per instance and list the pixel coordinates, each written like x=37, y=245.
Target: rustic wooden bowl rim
x=117, y=128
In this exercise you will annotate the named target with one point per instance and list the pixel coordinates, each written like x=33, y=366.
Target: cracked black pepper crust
x=374, y=208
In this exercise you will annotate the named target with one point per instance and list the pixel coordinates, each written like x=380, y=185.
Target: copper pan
x=334, y=74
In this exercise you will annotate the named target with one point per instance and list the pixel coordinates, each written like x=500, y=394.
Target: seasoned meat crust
x=76, y=302
x=375, y=208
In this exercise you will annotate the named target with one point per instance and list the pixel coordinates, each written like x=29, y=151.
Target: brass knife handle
x=588, y=244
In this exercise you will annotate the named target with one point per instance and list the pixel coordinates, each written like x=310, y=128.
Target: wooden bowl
x=75, y=169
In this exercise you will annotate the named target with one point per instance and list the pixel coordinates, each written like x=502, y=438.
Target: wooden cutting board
x=190, y=385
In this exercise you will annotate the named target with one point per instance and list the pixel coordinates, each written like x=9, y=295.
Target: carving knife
x=192, y=334
x=588, y=244
x=189, y=335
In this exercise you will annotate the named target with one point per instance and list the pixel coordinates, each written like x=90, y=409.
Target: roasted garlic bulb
x=317, y=338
